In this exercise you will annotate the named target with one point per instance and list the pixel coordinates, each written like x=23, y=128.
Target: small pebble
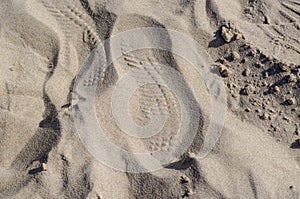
x=63, y=158
x=235, y=55
x=291, y=101
x=286, y=118
x=272, y=110
x=265, y=116
x=184, y=179
x=44, y=167
x=252, y=53
x=223, y=70
x=239, y=36
x=248, y=110
x=264, y=83
x=276, y=89
x=292, y=78
x=248, y=89
x=246, y=72
x=266, y=74
x=227, y=35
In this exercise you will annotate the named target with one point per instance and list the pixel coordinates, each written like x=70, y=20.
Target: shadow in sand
x=295, y=145
x=183, y=164
x=218, y=41
x=35, y=171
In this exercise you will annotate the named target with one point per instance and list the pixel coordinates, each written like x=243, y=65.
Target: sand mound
x=49, y=64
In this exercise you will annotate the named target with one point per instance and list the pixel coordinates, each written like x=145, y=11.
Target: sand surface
x=204, y=103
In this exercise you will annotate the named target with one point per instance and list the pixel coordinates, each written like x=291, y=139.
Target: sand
x=149, y=99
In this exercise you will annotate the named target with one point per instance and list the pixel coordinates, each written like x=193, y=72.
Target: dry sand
x=253, y=44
